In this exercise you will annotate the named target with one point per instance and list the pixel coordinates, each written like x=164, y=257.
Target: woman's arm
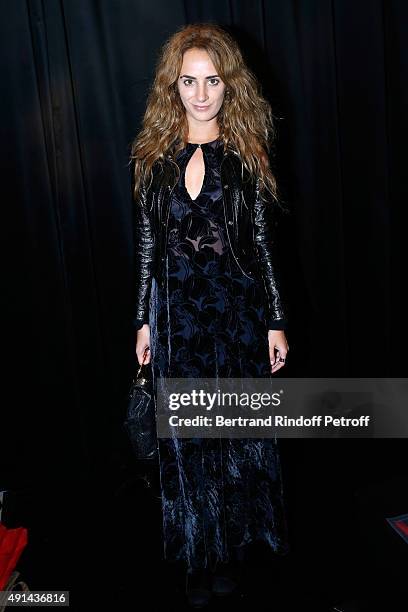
x=264, y=235
x=144, y=259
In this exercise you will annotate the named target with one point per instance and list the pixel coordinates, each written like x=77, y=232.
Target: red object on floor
x=12, y=544
x=402, y=526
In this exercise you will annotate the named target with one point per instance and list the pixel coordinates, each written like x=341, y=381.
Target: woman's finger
x=272, y=356
x=279, y=360
x=145, y=352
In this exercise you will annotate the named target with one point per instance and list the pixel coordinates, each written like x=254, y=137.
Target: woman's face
x=201, y=89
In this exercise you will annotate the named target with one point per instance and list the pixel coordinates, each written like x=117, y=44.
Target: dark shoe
x=198, y=587
x=223, y=585
x=227, y=576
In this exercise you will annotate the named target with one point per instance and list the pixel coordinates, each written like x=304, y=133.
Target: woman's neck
x=204, y=133
x=201, y=138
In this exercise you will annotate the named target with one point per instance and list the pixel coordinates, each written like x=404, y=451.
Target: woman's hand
x=278, y=343
x=143, y=343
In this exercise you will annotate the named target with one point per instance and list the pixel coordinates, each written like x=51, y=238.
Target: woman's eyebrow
x=213, y=76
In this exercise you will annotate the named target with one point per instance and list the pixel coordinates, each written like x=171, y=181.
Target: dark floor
x=101, y=540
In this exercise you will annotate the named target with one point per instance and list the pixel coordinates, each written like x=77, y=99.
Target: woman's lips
x=201, y=108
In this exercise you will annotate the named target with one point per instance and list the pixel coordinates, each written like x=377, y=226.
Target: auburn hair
x=245, y=119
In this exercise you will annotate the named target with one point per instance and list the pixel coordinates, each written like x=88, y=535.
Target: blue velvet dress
x=210, y=321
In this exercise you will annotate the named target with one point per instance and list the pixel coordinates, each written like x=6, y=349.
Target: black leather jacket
x=250, y=230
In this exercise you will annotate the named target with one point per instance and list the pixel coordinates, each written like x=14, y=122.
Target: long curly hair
x=245, y=119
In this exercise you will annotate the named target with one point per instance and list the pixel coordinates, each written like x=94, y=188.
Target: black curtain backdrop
x=74, y=80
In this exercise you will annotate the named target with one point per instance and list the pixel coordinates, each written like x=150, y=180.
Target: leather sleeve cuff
x=138, y=323
x=277, y=324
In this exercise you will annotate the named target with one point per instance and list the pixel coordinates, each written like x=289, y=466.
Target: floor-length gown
x=209, y=320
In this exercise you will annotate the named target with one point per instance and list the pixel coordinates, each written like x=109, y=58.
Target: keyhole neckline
x=195, y=146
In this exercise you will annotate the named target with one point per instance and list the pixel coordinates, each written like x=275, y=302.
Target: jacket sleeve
x=144, y=250
x=264, y=237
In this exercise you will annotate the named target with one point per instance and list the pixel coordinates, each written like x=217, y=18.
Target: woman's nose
x=202, y=93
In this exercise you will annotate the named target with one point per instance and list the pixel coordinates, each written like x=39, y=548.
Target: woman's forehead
x=197, y=62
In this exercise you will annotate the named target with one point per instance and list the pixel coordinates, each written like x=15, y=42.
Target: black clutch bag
x=140, y=422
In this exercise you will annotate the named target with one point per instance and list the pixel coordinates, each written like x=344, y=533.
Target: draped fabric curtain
x=75, y=75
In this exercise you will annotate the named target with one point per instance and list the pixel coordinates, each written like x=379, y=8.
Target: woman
x=207, y=302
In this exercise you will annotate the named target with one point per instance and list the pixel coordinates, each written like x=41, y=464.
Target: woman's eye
x=188, y=82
